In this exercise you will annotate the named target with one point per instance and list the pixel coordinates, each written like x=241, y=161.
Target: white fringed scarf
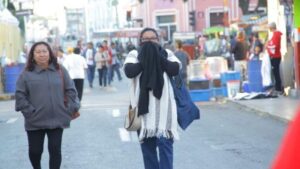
x=161, y=120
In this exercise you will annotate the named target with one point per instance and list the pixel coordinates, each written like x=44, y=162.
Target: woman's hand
x=75, y=115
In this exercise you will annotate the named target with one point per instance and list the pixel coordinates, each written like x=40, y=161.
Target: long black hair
x=31, y=62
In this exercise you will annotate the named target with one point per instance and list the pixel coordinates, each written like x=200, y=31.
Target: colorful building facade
x=174, y=16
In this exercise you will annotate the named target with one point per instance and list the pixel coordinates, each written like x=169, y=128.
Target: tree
x=244, y=5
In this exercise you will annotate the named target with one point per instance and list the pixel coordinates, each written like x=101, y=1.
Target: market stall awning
x=212, y=30
x=7, y=17
x=253, y=19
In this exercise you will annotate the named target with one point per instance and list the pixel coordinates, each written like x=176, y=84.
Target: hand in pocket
x=75, y=115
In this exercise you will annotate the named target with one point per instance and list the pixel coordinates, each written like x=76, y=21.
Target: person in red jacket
x=273, y=48
x=288, y=156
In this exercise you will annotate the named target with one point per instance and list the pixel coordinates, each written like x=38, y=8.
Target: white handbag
x=132, y=121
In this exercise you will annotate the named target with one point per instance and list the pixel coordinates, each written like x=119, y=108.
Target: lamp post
x=226, y=17
x=115, y=4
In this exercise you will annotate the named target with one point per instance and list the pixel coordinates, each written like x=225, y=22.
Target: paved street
x=226, y=137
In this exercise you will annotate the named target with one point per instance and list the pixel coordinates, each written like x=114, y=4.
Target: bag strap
x=177, y=80
x=63, y=85
x=133, y=92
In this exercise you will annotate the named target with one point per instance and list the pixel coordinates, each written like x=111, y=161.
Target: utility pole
x=226, y=17
x=115, y=3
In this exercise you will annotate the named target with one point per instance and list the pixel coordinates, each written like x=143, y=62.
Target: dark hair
x=91, y=43
x=179, y=44
x=60, y=49
x=77, y=50
x=146, y=30
x=31, y=62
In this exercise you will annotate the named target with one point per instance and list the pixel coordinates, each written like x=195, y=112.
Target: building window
x=167, y=23
x=165, y=19
x=216, y=18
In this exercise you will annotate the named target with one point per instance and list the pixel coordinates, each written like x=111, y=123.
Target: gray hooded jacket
x=40, y=97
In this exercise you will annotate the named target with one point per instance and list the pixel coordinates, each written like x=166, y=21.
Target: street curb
x=259, y=111
x=4, y=97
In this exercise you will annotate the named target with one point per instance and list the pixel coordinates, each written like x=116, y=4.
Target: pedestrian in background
x=108, y=50
x=40, y=93
x=76, y=66
x=201, y=44
x=257, y=54
x=240, y=54
x=101, y=65
x=150, y=67
x=273, y=48
x=255, y=42
x=130, y=46
x=115, y=64
x=184, y=59
x=61, y=56
x=89, y=55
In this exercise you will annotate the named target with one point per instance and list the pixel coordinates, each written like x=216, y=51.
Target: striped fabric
x=161, y=121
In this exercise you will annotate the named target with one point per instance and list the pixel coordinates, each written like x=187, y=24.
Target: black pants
x=79, y=87
x=36, y=145
x=275, y=62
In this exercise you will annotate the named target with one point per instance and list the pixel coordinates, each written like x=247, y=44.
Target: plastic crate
x=217, y=91
x=197, y=84
x=224, y=90
x=230, y=75
x=200, y=95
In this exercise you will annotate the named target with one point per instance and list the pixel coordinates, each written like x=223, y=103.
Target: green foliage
x=11, y=8
x=261, y=3
x=22, y=25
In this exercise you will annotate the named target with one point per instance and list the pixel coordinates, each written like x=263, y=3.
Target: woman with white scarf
x=149, y=68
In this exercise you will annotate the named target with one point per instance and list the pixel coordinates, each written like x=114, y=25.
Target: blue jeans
x=150, y=156
x=91, y=74
x=114, y=68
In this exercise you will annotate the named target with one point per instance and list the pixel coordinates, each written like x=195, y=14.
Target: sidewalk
x=281, y=107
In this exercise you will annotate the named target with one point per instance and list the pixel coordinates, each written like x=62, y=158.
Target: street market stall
x=10, y=47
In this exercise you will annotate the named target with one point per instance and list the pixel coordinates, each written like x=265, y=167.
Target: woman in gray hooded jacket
x=48, y=100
